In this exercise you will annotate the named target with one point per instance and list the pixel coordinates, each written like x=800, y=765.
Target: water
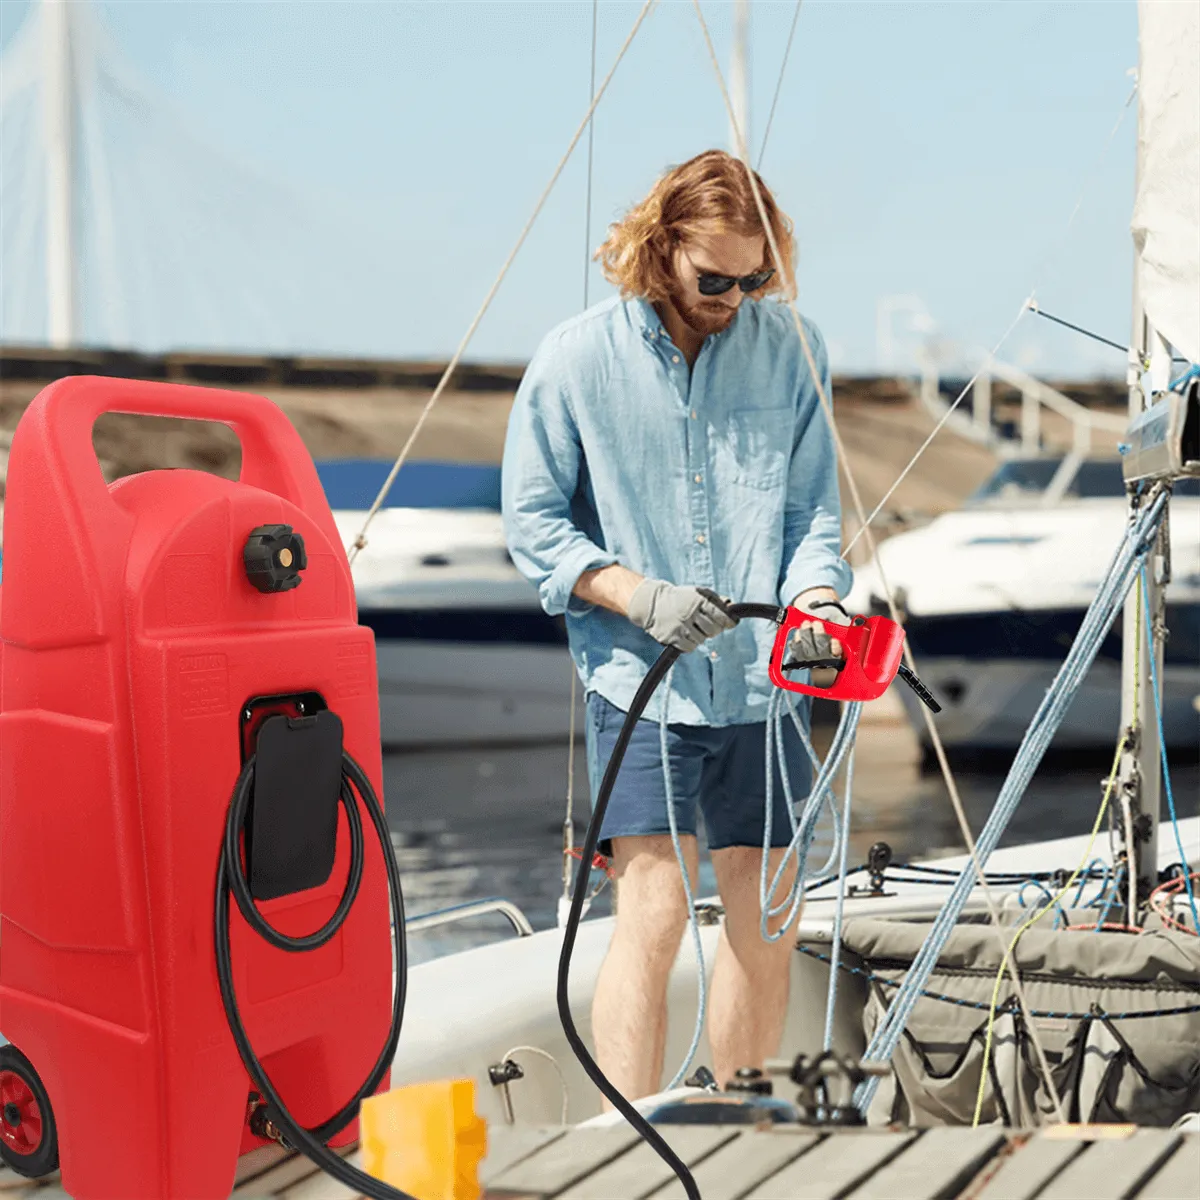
x=471, y=824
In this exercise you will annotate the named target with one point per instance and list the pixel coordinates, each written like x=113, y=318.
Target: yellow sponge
x=425, y=1139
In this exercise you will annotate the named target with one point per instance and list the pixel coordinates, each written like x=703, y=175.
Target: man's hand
x=677, y=616
x=810, y=646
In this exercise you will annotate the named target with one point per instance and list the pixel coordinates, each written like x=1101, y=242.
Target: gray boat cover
x=1086, y=991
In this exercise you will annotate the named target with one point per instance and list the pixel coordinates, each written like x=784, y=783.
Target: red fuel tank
x=132, y=642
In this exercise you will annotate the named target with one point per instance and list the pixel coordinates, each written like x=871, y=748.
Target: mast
x=58, y=109
x=739, y=74
x=1139, y=778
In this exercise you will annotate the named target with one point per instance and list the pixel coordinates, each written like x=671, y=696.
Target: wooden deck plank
x=509, y=1144
x=319, y=1186
x=12, y=1184
x=1028, y=1169
x=285, y=1173
x=260, y=1159
x=565, y=1160
x=1179, y=1177
x=939, y=1164
x=828, y=1170
x=1113, y=1169
x=736, y=1167
x=641, y=1171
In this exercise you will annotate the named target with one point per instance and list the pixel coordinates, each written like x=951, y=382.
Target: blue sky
x=935, y=149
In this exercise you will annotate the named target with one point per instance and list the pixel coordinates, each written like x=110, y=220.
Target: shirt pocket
x=755, y=447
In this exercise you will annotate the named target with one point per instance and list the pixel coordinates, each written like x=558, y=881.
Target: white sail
x=1166, y=213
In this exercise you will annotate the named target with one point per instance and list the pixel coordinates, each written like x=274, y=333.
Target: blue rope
x=803, y=829
x=836, y=951
x=1126, y=560
x=1047, y=896
x=1162, y=745
x=1085, y=878
x=775, y=726
x=802, y=837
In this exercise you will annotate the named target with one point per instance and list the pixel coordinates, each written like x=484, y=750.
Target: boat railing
x=465, y=912
x=973, y=418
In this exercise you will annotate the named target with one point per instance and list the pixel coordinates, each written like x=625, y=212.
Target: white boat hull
x=466, y=1011
x=448, y=693
x=988, y=705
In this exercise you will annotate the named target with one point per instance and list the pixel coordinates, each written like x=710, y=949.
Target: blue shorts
x=723, y=769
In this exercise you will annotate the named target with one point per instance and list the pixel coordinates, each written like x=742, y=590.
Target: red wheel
x=28, y=1138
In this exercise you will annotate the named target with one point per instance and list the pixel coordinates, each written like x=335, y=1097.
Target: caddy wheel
x=28, y=1137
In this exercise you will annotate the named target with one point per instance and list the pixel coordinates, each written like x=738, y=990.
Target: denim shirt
x=723, y=476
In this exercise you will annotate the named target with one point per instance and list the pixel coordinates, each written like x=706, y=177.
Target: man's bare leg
x=629, y=1009
x=747, y=1006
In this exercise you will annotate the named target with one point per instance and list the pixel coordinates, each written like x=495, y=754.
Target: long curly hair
x=713, y=187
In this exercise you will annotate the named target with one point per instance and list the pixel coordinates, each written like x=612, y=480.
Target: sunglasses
x=717, y=285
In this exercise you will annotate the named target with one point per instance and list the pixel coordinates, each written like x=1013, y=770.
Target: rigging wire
x=1056, y=900
x=1038, y=311
x=1101, y=613
x=587, y=212
x=361, y=540
x=762, y=150
x=564, y=903
x=1054, y=248
x=1162, y=746
x=939, y=749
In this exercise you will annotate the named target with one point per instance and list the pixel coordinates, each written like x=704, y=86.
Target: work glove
x=811, y=646
x=678, y=616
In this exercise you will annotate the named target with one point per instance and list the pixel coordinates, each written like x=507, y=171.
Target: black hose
x=654, y=677
x=231, y=877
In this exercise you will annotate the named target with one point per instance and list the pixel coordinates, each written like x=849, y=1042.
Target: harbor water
x=470, y=824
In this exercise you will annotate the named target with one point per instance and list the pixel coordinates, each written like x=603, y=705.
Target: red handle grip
x=72, y=532
x=273, y=456
x=872, y=647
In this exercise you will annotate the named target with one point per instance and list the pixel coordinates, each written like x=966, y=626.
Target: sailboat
x=1095, y=1068
x=987, y=1089
x=1092, y=1080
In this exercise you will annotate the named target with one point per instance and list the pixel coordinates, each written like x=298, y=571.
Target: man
x=663, y=442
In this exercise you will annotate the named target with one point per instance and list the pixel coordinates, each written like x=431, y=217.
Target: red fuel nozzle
x=872, y=648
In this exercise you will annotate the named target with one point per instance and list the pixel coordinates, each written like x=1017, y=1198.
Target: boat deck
x=781, y=1163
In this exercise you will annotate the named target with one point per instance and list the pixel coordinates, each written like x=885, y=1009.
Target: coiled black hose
x=231, y=877
x=654, y=677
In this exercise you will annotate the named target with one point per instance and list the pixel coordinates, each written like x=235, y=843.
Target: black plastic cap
x=274, y=557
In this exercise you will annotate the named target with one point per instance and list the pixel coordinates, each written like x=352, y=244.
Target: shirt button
x=674, y=358
x=713, y=655
x=700, y=538
x=699, y=478
x=693, y=414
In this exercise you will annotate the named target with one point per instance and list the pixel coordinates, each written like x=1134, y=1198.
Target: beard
x=704, y=319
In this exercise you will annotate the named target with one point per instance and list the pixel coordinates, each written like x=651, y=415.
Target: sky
x=348, y=178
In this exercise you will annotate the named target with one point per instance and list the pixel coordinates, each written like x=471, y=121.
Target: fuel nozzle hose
x=650, y=684
x=231, y=877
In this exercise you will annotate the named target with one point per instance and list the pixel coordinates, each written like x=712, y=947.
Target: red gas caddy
x=157, y=634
